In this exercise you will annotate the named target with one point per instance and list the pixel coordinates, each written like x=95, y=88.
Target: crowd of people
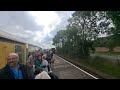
x=38, y=66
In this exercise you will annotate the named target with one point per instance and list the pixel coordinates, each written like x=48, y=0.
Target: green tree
x=85, y=23
x=84, y=30
x=115, y=17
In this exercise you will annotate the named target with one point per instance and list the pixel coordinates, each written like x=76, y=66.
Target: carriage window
x=18, y=50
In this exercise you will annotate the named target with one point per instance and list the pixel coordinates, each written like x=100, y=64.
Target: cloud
x=38, y=28
x=18, y=18
x=19, y=23
x=64, y=15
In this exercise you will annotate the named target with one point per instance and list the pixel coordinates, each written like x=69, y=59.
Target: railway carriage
x=9, y=43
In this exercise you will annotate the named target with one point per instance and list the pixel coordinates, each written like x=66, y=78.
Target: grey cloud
x=21, y=18
x=46, y=40
x=10, y=21
x=17, y=23
x=18, y=32
x=64, y=17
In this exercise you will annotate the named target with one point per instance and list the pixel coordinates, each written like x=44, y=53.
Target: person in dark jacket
x=14, y=70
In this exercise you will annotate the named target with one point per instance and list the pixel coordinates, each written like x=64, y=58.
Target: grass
x=105, y=66
x=109, y=54
x=101, y=65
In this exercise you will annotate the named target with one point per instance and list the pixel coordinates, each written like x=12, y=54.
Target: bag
x=53, y=76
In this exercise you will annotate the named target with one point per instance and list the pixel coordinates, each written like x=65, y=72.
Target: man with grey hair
x=13, y=69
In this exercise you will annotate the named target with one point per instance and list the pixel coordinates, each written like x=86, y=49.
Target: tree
x=115, y=17
x=111, y=26
x=84, y=30
x=85, y=23
x=58, y=37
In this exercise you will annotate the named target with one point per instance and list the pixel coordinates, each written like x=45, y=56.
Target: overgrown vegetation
x=82, y=33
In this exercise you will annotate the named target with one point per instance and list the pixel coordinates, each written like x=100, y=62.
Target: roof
x=14, y=38
x=10, y=36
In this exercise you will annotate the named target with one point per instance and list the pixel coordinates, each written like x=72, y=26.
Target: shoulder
x=37, y=61
x=45, y=61
x=3, y=72
x=30, y=57
x=4, y=69
x=22, y=66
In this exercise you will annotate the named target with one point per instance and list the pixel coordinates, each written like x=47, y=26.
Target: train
x=12, y=44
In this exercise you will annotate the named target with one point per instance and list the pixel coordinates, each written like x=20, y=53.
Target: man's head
x=39, y=57
x=33, y=53
x=12, y=59
x=44, y=57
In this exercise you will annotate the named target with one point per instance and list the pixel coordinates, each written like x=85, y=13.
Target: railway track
x=66, y=70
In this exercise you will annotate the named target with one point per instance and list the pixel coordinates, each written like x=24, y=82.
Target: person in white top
x=45, y=63
x=40, y=74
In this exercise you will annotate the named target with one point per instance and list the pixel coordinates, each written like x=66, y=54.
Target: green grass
x=109, y=54
x=101, y=65
x=105, y=66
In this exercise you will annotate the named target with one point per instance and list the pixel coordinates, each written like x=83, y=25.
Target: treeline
x=107, y=41
x=83, y=32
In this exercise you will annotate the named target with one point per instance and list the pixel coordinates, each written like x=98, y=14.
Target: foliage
x=82, y=33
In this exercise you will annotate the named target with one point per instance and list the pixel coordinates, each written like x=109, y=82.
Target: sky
x=37, y=27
